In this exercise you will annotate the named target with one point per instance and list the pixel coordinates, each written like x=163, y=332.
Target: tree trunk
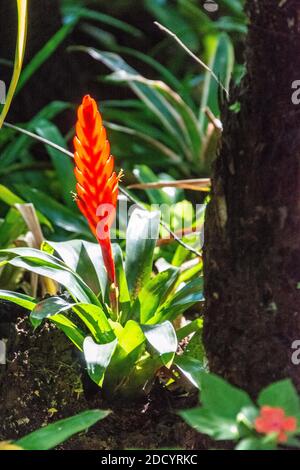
x=252, y=234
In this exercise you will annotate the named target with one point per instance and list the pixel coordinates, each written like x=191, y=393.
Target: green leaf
x=88, y=14
x=45, y=52
x=58, y=214
x=11, y=228
x=255, y=443
x=155, y=101
x=98, y=357
x=85, y=258
x=46, y=265
x=48, y=308
x=51, y=308
x=69, y=328
x=19, y=299
x=191, y=368
x=281, y=394
x=210, y=423
x=220, y=50
x=96, y=321
x=163, y=340
x=62, y=164
x=153, y=294
x=50, y=436
x=195, y=348
x=141, y=236
x=186, y=297
x=131, y=345
x=124, y=296
x=7, y=196
x=145, y=175
x=222, y=398
x=23, y=143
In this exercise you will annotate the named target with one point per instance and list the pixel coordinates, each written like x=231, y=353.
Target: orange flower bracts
x=97, y=183
x=274, y=420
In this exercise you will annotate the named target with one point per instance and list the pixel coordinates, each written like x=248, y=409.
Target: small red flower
x=97, y=183
x=274, y=420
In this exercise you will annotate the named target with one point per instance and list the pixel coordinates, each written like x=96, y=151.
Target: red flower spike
x=273, y=420
x=97, y=183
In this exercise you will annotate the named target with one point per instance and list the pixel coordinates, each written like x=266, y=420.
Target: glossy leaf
x=153, y=294
x=191, y=368
x=184, y=298
x=62, y=164
x=19, y=299
x=124, y=295
x=58, y=214
x=85, y=258
x=98, y=357
x=46, y=265
x=163, y=340
x=96, y=321
x=50, y=436
x=142, y=233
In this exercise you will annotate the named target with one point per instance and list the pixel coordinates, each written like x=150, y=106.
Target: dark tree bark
x=252, y=242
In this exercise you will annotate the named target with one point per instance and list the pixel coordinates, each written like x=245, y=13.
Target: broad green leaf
x=145, y=175
x=221, y=398
x=11, y=228
x=71, y=330
x=23, y=143
x=256, y=443
x=85, y=258
x=96, y=321
x=153, y=99
x=184, y=298
x=172, y=18
x=131, y=345
x=98, y=357
x=191, y=368
x=185, y=122
x=19, y=299
x=51, y=308
x=153, y=294
x=58, y=214
x=48, y=308
x=281, y=394
x=194, y=326
x=47, y=265
x=62, y=164
x=163, y=340
x=124, y=296
x=50, y=436
x=214, y=425
x=142, y=233
x=9, y=198
x=19, y=56
x=130, y=338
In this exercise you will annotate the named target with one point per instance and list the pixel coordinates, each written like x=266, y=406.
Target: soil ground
x=43, y=381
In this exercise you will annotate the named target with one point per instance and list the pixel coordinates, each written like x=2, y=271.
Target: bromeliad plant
x=116, y=312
